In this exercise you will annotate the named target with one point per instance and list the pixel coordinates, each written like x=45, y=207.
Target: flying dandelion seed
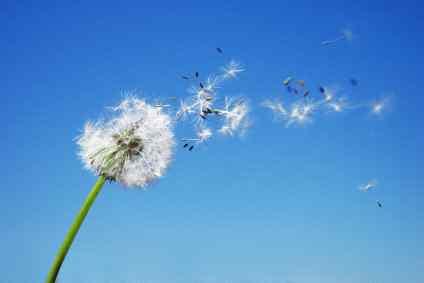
x=232, y=70
x=183, y=111
x=276, y=107
x=300, y=113
x=287, y=81
x=133, y=148
x=346, y=34
x=378, y=107
x=337, y=105
x=329, y=93
x=203, y=134
x=235, y=117
x=370, y=185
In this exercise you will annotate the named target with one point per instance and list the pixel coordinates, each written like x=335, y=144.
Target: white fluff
x=134, y=147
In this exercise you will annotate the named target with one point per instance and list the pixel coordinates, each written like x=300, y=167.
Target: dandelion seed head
x=134, y=147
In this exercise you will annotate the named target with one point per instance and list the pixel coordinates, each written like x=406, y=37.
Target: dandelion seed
x=219, y=50
x=183, y=111
x=276, y=107
x=337, y=105
x=300, y=113
x=346, y=34
x=235, y=117
x=134, y=148
x=329, y=93
x=378, y=107
x=232, y=70
x=204, y=134
x=287, y=81
x=372, y=184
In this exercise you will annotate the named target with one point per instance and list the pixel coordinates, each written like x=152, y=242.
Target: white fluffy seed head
x=134, y=147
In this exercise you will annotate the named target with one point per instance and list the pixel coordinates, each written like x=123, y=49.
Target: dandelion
x=346, y=34
x=134, y=147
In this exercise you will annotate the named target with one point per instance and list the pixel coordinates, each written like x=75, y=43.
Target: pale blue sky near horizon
x=277, y=205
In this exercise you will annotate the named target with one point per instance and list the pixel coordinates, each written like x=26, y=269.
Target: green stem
x=64, y=248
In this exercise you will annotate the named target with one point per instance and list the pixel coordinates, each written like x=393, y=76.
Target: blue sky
x=279, y=205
